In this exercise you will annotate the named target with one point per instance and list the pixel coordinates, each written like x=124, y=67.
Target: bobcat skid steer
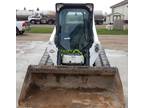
x=74, y=71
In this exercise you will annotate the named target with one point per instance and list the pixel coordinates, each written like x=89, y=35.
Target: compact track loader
x=74, y=71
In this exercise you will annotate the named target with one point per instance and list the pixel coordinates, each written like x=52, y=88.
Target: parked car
x=22, y=26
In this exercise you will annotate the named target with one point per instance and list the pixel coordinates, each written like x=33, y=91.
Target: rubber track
x=102, y=60
x=45, y=60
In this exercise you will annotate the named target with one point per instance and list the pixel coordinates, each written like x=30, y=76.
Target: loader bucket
x=71, y=87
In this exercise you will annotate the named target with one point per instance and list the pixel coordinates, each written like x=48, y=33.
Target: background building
x=119, y=12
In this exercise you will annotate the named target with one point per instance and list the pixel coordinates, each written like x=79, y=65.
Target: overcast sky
x=103, y=5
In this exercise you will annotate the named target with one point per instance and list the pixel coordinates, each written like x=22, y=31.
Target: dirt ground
x=30, y=48
x=117, y=42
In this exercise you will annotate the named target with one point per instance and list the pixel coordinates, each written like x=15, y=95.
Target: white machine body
x=53, y=50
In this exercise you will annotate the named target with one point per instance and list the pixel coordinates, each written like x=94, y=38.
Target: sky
x=103, y=5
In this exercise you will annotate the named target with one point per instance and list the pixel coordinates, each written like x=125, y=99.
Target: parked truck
x=41, y=19
x=22, y=26
x=99, y=17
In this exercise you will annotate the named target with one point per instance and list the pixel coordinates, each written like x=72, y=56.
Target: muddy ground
x=30, y=48
x=117, y=42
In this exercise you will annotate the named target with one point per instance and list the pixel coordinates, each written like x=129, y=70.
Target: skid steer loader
x=74, y=71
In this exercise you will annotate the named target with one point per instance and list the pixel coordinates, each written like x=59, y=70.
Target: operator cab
x=74, y=35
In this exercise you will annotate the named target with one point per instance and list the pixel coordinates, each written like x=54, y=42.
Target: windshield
x=74, y=26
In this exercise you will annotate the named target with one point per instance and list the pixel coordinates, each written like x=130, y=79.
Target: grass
x=99, y=31
x=112, y=32
x=41, y=30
